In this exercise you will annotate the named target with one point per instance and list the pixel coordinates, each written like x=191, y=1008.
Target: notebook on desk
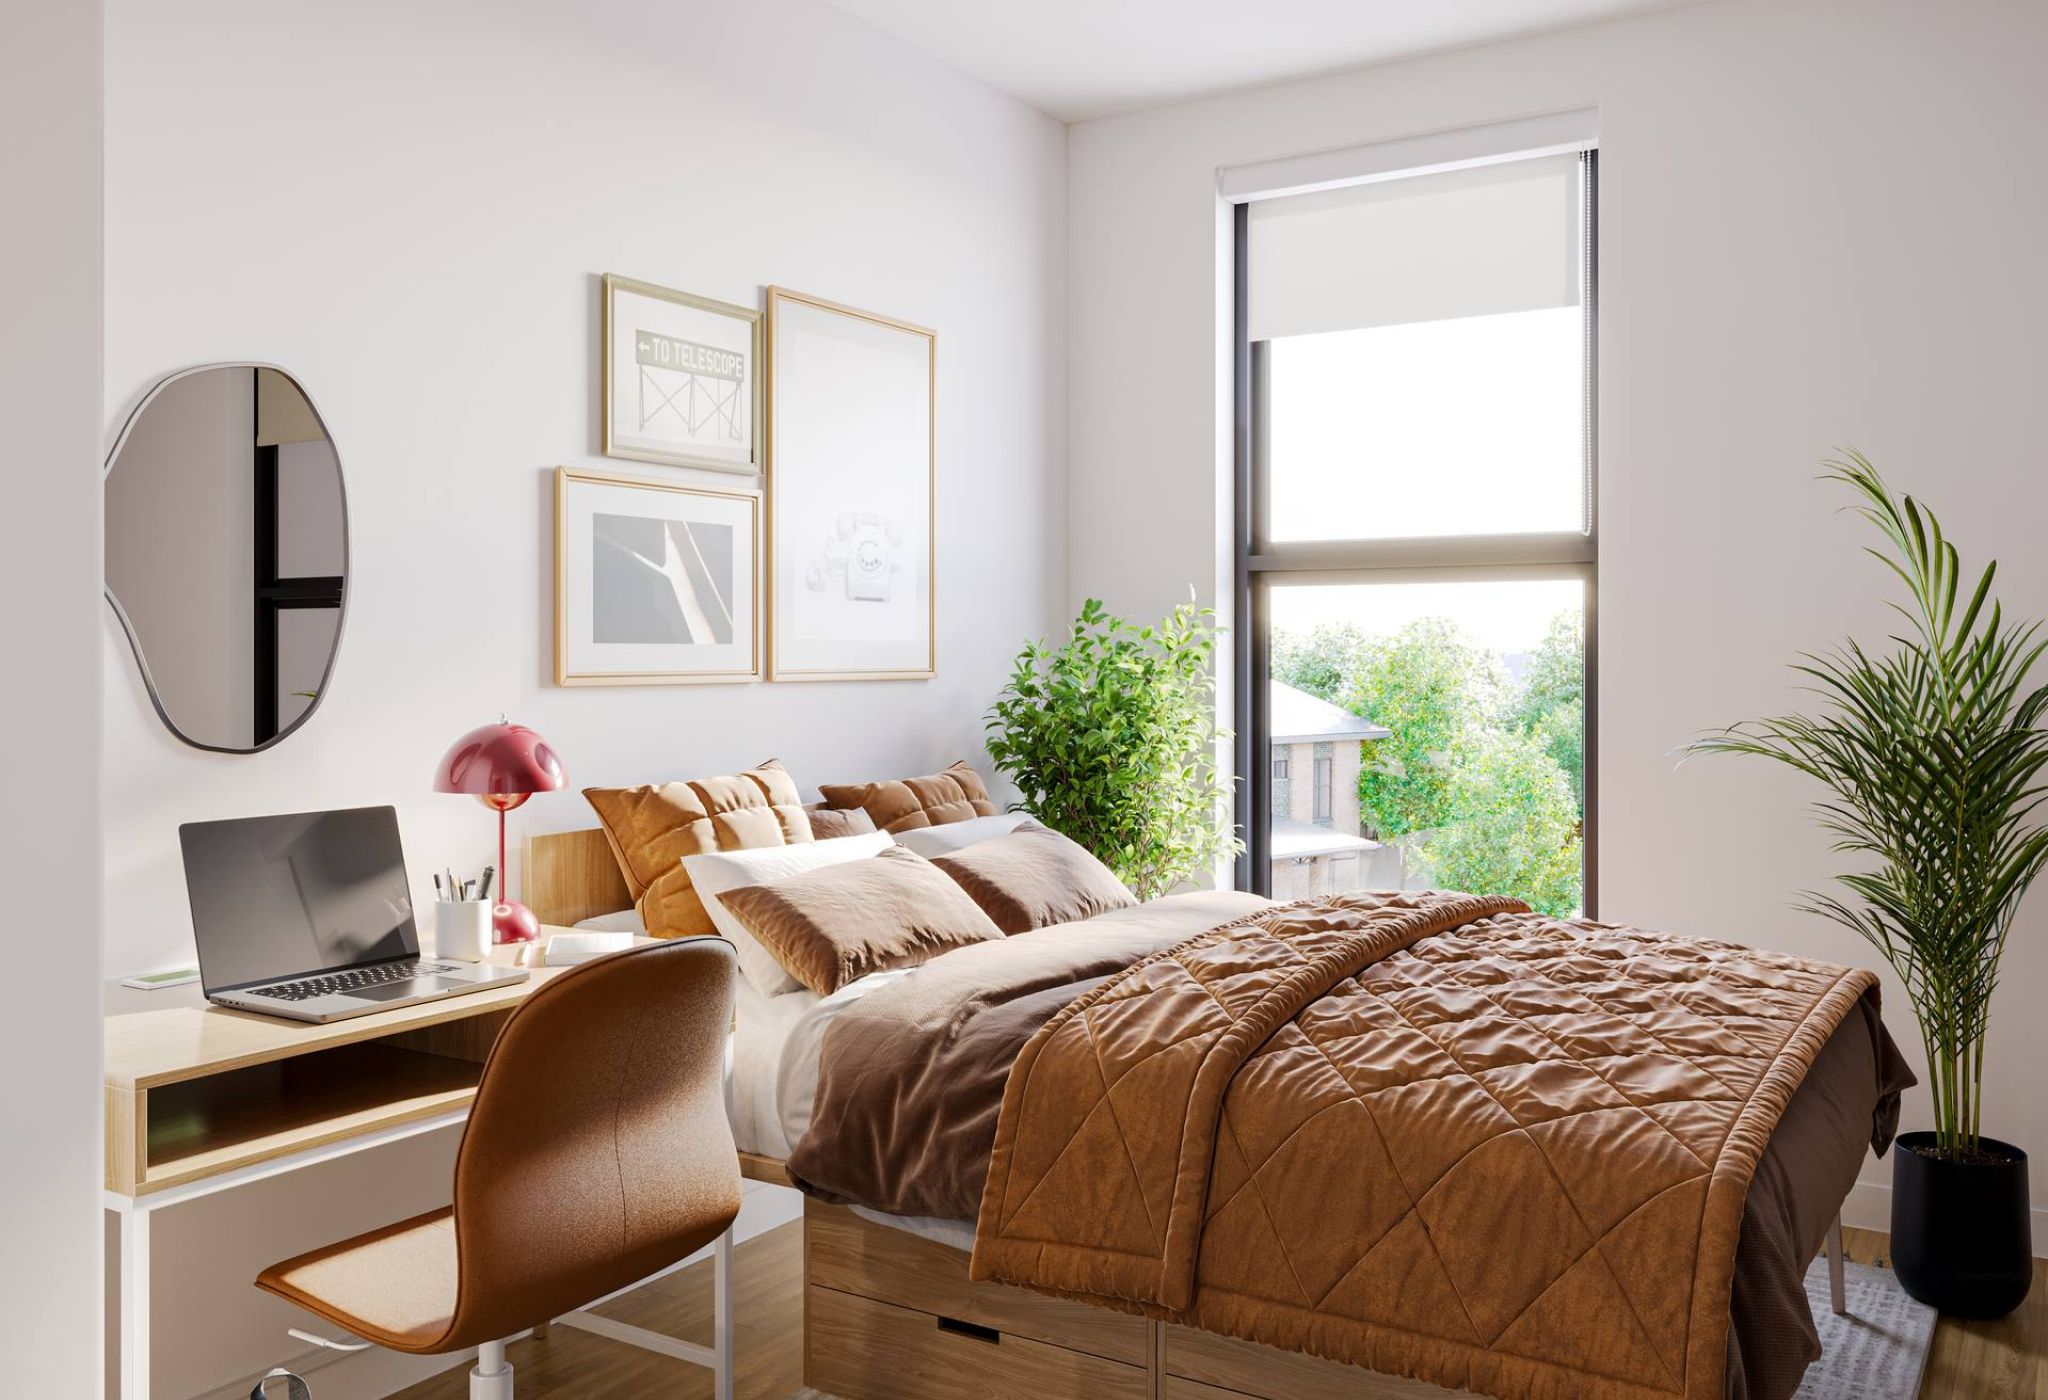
x=308, y=916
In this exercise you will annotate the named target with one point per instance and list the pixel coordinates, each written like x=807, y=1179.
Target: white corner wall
x=1820, y=226
x=50, y=1159
x=408, y=206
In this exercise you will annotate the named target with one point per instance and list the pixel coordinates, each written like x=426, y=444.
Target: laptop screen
x=277, y=897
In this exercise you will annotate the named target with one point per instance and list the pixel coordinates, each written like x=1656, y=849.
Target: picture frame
x=851, y=484
x=656, y=582
x=682, y=378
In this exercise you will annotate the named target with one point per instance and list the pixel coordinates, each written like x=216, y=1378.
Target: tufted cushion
x=956, y=795
x=652, y=828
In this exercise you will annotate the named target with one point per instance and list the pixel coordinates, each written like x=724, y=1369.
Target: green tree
x=1434, y=690
x=1513, y=825
x=1319, y=661
x=1552, y=706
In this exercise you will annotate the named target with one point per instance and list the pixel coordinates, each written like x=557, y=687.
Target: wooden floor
x=2005, y=1360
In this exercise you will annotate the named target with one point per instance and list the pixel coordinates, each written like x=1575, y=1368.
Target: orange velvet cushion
x=652, y=828
x=829, y=927
x=908, y=803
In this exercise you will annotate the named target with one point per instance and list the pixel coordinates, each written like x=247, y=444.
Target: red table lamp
x=502, y=765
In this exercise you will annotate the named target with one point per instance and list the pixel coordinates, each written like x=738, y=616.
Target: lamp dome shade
x=500, y=759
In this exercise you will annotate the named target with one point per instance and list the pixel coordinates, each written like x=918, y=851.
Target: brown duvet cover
x=1148, y=1202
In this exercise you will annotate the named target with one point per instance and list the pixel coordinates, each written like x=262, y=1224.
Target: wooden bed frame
x=892, y=1316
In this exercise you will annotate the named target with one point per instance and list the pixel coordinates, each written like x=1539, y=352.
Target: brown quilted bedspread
x=1433, y=1135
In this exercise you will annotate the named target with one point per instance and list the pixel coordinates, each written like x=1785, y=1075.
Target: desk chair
x=597, y=1154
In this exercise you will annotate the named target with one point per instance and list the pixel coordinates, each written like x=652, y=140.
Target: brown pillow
x=952, y=796
x=831, y=926
x=652, y=828
x=1034, y=877
x=830, y=823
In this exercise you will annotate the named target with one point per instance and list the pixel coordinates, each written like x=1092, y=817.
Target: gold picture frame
x=804, y=488
x=578, y=591
x=677, y=376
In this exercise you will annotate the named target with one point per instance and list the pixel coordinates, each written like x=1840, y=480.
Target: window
x=1416, y=381
x=1280, y=766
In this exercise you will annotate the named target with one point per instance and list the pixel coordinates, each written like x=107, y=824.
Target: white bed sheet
x=776, y=1048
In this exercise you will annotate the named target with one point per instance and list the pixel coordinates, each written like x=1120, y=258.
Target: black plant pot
x=1962, y=1238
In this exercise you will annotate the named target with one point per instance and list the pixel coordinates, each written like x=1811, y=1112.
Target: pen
x=483, y=890
x=439, y=893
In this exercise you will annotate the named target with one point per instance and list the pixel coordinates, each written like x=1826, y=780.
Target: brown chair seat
x=394, y=1286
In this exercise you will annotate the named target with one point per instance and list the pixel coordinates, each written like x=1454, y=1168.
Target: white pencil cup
x=462, y=929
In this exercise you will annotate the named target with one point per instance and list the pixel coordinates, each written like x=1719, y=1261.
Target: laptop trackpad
x=410, y=987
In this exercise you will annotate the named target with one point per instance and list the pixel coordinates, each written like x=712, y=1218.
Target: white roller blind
x=1474, y=242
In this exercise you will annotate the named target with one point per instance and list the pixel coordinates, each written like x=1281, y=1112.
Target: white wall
x=1820, y=225
x=50, y=1161
x=408, y=206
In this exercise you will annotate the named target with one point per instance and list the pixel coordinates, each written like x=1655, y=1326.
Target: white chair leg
x=721, y=1317
x=1837, y=1288
x=492, y=1377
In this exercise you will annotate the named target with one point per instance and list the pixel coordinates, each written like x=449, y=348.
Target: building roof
x=1297, y=717
x=1293, y=840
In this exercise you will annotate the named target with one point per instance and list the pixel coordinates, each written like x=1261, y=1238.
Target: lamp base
x=513, y=922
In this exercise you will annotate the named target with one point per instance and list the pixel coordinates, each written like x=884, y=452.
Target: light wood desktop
x=195, y=1091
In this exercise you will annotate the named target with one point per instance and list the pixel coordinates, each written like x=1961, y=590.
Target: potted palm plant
x=1932, y=755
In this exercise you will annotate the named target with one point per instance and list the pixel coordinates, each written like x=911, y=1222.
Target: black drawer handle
x=971, y=1329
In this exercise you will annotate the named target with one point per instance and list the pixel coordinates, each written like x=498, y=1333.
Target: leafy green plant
x=1435, y=691
x=1513, y=825
x=1932, y=756
x=1111, y=739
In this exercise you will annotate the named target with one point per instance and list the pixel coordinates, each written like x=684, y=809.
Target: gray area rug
x=1875, y=1351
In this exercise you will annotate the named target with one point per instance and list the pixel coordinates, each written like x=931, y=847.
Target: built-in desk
x=196, y=1091
x=201, y=1099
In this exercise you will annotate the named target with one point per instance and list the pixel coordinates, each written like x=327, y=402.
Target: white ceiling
x=1088, y=58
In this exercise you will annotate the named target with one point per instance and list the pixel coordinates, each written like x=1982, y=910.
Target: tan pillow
x=652, y=828
x=904, y=805
x=829, y=927
x=830, y=823
x=1033, y=878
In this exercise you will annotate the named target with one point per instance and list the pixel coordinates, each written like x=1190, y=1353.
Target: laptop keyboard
x=354, y=980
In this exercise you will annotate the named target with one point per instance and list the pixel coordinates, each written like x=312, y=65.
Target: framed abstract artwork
x=656, y=583
x=682, y=382
x=851, y=413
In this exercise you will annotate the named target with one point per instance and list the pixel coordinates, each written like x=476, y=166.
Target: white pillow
x=715, y=871
x=948, y=837
x=624, y=921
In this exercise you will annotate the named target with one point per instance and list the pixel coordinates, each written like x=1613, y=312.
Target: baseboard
x=1869, y=1207
x=763, y=1207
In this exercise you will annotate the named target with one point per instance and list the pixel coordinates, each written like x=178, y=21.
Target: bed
x=891, y=1309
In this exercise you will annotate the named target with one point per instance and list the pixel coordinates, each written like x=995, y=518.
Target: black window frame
x=1263, y=565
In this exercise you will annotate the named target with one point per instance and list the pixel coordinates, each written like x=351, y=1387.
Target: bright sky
x=1461, y=427
x=1505, y=617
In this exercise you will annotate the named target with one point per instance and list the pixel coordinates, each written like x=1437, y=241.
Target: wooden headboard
x=572, y=876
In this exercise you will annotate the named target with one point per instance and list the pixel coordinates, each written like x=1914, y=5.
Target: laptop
x=309, y=916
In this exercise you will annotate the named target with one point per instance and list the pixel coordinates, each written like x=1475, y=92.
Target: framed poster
x=681, y=378
x=850, y=435
x=655, y=582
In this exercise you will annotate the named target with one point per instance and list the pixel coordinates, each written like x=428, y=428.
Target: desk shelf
x=222, y=1122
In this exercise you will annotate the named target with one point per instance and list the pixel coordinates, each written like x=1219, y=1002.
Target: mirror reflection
x=227, y=553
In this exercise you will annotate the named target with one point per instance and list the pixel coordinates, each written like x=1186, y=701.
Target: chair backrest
x=598, y=1151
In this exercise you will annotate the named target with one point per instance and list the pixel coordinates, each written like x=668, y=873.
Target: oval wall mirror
x=227, y=553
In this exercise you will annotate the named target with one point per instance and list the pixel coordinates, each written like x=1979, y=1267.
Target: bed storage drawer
x=1204, y=1366
x=860, y=1349
x=851, y=1255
